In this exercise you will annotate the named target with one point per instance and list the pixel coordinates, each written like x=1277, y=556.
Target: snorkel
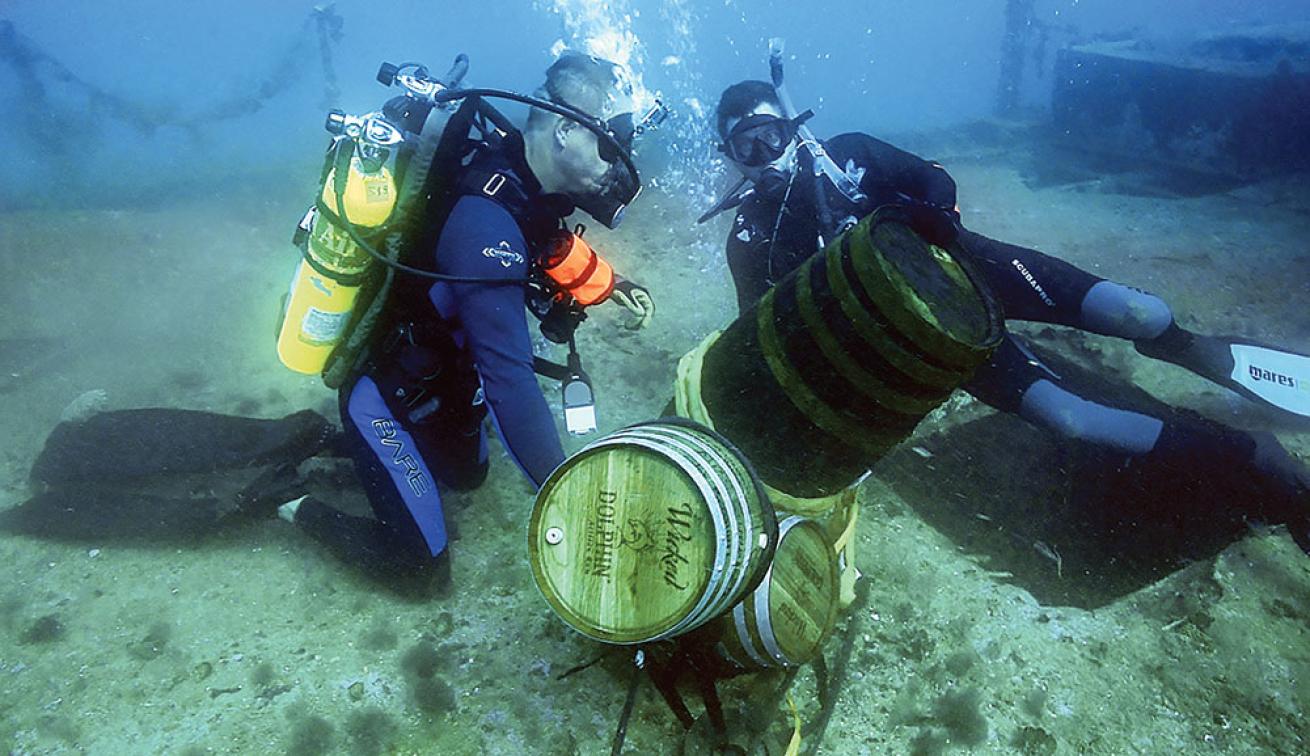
x=822, y=165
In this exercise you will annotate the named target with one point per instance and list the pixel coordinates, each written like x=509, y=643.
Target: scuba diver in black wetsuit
x=797, y=192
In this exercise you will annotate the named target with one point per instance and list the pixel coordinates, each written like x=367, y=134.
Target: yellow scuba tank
x=333, y=267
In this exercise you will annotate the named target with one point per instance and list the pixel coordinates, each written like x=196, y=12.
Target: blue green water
x=159, y=156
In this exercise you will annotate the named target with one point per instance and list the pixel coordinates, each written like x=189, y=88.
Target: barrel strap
x=842, y=506
x=845, y=548
x=794, y=745
x=688, y=403
x=687, y=400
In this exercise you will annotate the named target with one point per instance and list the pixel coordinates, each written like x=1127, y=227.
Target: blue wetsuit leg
x=396, y=465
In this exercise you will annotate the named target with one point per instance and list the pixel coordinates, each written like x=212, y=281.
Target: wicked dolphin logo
x=502, y=253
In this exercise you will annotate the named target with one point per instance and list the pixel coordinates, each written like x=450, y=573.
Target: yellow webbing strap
x=839, y=509
x=687, y=402
x=686, y=388
x=794, y=747
x=845, y=546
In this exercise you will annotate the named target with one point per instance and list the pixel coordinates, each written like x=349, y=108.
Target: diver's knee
x=1069, y=424
x=1113, y=309
x=1048, y=406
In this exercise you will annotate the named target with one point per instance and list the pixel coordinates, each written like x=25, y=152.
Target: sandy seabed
x=254, y=640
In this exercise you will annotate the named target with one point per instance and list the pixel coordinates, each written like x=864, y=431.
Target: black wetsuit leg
x=1018, y=382
x=1035, y=286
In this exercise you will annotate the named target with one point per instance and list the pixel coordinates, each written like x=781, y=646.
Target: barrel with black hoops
x=650, y=532
x=840, y=360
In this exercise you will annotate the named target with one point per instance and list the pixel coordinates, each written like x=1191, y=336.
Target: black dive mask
x=618, y=188
x=762, y=138
x=614, y=137
x=620, y=185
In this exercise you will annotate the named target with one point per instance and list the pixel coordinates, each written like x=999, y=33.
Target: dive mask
x=614, y=137
x=624, y=128
x=620, y=184
x=762, y=138
x=617, y=189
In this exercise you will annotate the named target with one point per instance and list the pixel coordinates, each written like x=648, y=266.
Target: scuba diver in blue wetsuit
x=454, y=346
x=437, y=222
x=797, y=192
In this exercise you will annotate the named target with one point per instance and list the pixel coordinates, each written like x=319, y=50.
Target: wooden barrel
x=784, y=622
x=650, y=532
x=845, y=355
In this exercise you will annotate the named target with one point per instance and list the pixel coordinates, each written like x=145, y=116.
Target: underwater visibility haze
x=909, y=377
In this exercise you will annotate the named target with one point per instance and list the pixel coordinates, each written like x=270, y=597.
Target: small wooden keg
x=784, y=622
x=649, y=533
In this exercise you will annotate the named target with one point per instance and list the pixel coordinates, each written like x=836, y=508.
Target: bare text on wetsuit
x=410, y=468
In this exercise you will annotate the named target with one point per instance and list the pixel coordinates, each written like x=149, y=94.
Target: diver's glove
x=636, y=300
x=937, y=225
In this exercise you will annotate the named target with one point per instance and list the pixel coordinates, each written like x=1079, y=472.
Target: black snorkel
x=735, y=196
x=821, y=166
